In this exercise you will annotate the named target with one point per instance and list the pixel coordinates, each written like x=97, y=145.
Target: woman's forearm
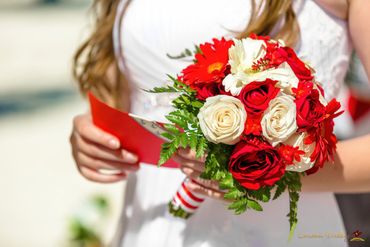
x=350, y=172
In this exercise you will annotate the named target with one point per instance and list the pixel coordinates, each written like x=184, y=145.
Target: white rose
x=222, y=119
x=297, y=140
x=279, y=119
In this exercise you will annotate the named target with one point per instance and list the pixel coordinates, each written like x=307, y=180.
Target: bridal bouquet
x=257, y=112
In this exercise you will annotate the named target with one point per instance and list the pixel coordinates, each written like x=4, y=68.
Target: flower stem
x=177, y=211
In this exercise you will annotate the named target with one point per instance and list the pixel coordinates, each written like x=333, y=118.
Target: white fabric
x=151, y=29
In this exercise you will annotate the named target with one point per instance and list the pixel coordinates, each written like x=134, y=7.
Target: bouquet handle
x=185, y=202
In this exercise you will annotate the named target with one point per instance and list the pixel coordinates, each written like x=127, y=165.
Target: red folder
x=132, y=135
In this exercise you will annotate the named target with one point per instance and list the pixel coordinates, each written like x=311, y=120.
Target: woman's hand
x=192, y=167
x=98, y=155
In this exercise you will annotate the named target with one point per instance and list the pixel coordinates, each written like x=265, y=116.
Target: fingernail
x=129, y=156
x=113, y=143
x=187, y=171
x=192, y=186
x=136, y=167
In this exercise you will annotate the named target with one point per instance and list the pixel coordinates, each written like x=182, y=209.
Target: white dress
x=150, y=30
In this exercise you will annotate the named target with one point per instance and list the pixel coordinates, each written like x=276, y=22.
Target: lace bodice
x=325, y=45
x=152, y=29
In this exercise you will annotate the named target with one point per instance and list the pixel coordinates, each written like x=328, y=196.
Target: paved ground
x=39, y=185
x=37, y=46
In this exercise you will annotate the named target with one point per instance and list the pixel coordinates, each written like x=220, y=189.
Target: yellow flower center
x=214, y=66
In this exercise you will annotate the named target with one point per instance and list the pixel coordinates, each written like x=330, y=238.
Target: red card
x=132, y=135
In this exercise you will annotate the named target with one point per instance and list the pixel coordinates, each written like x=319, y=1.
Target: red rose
x=310, y=111
x=300, y=69
x=255, y=163
x=277, y=55
x=206, y=90
x=256, y=96
x=259, y=37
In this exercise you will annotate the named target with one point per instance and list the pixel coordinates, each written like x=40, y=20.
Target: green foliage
x=294, y=185
x=172, y=128
x=280, y=188
x=201, y=147
x=178, y=211
x=187, y=102
x=234, y=194
x=245, y=198
x=101, y=203
x=197, y=50
x=242, y=204
x=186, y=53
x=227, y=183
x=176, y=87
x=82, y=235
x=168, y=149
x=84, y=231
x=217, y=162
x=263, y=194
x=254, y=205
x=239, y=206
x=184, y=130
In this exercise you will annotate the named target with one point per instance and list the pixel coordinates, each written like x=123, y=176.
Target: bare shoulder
x=338, y=8
x=359, y=29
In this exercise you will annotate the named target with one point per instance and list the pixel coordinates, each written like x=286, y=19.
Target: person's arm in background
x=96, y=151
x=351, y=171
x=359, y=27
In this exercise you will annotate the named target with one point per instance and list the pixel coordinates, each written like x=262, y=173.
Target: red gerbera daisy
x=253, y=125
x=289, y=154
x=211, y=64
x=324, y=137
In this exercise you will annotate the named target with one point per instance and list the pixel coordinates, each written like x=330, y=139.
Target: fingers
x=85, y=128
x=98, y=151
x=97, y=164
x=192, y=167
x=190, y=173
x=194, y=175
x=95, y=176
x=199, y=189
x=194, y=164
x=190, y=154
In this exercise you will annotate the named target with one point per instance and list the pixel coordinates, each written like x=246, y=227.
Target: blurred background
x=44, y=201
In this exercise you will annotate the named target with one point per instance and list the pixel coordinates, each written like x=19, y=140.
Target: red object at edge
x=357, y=108
x=133, y=137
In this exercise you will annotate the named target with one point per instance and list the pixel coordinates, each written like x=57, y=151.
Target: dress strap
x=117, y=44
